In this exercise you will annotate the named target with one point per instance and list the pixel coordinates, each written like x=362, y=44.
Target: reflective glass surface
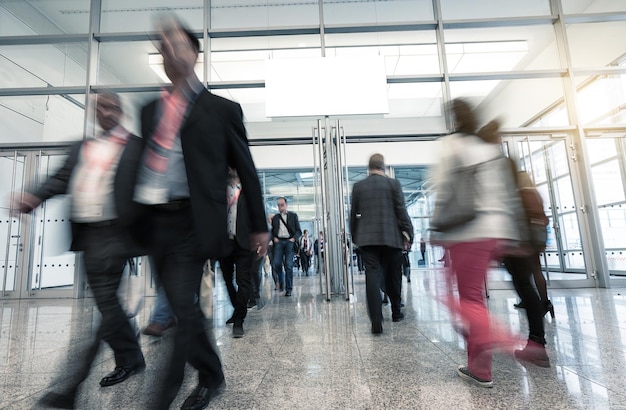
x=142, y=15
x=501, y=49
x=65, y=65
x=229, y=14
x=392, y=11
x=590, y=44
x=42, y=118
x=461, y=9
x=19, y=17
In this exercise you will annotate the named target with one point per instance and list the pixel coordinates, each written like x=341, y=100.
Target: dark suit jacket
x=242, y=227
x=378, y=215
x=292, y=222
x=213, y=137
x=124, y=185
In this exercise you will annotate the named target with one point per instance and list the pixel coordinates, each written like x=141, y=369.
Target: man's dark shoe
x=238, y=330
x=288, y=293
x=200, y=397
x=121, y=373
x=57, y=400
x=377, y=328
x=251, y=303
x=231, y=320
x=157, y=329
x=396, y=317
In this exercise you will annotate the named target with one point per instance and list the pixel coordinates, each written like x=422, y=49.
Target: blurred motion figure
x=99, y=174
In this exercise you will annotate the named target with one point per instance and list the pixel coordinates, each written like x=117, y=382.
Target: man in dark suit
x=192, y=138
x=100, y=174
x=241, y=258
x=285, y=232
x=381, y=227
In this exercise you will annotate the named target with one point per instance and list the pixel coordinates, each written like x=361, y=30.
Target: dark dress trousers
x=378, y=217
x=243, y=259
x=106, y=248
x=182, y=237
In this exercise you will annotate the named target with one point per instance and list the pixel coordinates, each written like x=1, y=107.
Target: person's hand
x=292, y=239
x=23, y=203
x=275, y=240
x=259, y=243
x=407, y=245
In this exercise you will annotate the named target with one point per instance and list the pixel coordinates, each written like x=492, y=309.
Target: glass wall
x=536, y=64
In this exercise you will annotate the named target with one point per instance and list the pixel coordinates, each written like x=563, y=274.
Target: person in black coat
x=241, y=258
x=100, y=175
x=286, y=232
x=381, y=227
x=192, y=138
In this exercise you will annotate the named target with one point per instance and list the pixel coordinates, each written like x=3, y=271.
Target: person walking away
x=381, y=227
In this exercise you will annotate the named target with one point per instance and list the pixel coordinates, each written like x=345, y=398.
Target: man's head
x=306, y=232
x=376, y=163
x=282, y=204
x=108, y=110
x=179, y=48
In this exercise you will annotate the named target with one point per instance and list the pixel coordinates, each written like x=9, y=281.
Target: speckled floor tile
x=303, y=352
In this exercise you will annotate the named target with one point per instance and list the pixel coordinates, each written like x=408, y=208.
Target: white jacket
x=497, y=203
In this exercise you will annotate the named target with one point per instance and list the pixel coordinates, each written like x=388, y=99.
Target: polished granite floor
x=302, y=352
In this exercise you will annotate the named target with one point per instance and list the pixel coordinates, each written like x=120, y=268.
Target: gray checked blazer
x=378, y=215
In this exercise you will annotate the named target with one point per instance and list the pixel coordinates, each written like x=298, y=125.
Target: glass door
x=12, y=166
x=35, y=246
x=52, y=265
x=546, y=159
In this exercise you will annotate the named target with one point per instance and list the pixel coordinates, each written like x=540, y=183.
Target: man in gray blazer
x=381, y=227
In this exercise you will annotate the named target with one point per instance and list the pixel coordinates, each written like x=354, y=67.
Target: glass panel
x=227, y=14
x=133, y=63
x=9, y=226
x=602, y=99
x=599, y=149
x=297, y=186
x=592, y=6
x=616, y=260
x=570, y=232
x=607, y=183
x=53, y=263
x=405, y=52
x=596, y=44
x=558, y=159
x=21, y=65
x=495, y=96
x=41, y=118
x=252, y=102
x=390, y=11
x=613, y=221
x=575, y=260
x=501, y=49
x=138, y=15
x=237, y=59
x=564, y=195
x=421, y=100
x=480, y=9
x=19, y=17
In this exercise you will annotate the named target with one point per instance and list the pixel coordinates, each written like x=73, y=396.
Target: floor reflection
x=304, y=352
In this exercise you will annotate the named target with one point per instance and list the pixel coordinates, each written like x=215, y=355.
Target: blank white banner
x=326, y=86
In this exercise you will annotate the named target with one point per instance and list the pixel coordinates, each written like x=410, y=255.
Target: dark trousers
x=105, y=255
x=305, y=262
x=256, y=278
x=174, y=247
x=239, y=264
x=283, y=256
x=521, y=271
x=382, y=265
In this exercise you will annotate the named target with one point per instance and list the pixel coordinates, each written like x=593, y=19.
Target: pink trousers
x=470, y=261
